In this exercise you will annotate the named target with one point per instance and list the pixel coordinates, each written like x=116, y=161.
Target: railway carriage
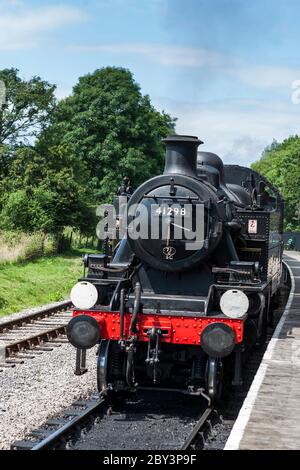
x=188, y=288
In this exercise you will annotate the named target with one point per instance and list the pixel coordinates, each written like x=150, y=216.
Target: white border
x=237, y=432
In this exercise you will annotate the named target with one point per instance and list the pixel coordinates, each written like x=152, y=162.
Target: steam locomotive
x=189, y=286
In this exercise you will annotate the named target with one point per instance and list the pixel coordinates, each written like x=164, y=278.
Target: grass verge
x=38, y=282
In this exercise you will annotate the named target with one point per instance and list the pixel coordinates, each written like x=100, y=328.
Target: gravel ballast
x=148, y=421
x=41, y=387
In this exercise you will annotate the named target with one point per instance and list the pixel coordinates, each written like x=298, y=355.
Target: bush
x=10, y=238
x=14, y=215
x=16, y=246
x=50, y=245
x=34, y=248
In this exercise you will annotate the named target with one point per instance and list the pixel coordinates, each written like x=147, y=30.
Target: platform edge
x=238, y=430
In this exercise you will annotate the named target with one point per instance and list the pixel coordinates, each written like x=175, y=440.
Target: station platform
x=270, y=416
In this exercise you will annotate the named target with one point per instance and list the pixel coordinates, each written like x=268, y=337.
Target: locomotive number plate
x=175, y=210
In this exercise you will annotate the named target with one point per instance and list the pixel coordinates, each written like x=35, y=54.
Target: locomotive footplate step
x=270, y=416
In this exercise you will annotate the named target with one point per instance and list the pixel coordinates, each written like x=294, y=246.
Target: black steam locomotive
x=189, y=286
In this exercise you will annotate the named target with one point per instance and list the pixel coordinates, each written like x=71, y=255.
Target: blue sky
x=225, y=68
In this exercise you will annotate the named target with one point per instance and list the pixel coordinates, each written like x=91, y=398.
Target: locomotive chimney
x=181, y=155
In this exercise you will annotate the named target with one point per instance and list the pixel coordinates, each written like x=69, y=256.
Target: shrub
x=34, y=247
x=16, y=246
x=14, y=214
x=50, y=245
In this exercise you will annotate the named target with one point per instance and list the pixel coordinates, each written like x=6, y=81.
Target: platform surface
x=270, y=416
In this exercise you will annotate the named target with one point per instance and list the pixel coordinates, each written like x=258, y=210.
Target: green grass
x=38, y=282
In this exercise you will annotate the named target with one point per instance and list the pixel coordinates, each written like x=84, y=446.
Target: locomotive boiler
x=188, y=288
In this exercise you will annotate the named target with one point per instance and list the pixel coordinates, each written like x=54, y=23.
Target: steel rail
x=41, y=313
x=40, y=332
x=34, y=340
x=66, y=429
x=200, y=423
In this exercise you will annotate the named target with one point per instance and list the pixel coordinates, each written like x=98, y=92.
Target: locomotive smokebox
x=181, y=155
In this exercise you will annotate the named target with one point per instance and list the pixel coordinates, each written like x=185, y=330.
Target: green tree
x=83, y=147
x=46, y=192
x=27, y=107
x=5, y=159
x=280, y=163
x=108, y=124
x=24, y=113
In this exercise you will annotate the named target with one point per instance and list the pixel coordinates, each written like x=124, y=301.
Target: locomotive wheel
x=214, y=378
x=110, y=367
x=102, y=366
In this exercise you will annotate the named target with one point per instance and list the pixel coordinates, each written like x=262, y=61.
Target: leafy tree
x=280, y=163
x=15, y=213
x=108, y=124
x=46, y=192
x=27, y=107
x=83, y=147
x=5, y=158
x=24, y=113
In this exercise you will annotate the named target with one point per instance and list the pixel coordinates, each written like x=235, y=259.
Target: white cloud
x=5, y=3
x=237, y=131
x=268, y=76
x=162, y=54
x=24, y=28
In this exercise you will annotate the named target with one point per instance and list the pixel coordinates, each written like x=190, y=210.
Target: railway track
x=23, y=337
x=199, y=426
x=57, y=432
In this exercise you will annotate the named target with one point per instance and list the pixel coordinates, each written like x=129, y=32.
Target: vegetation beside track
x=38, y=282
